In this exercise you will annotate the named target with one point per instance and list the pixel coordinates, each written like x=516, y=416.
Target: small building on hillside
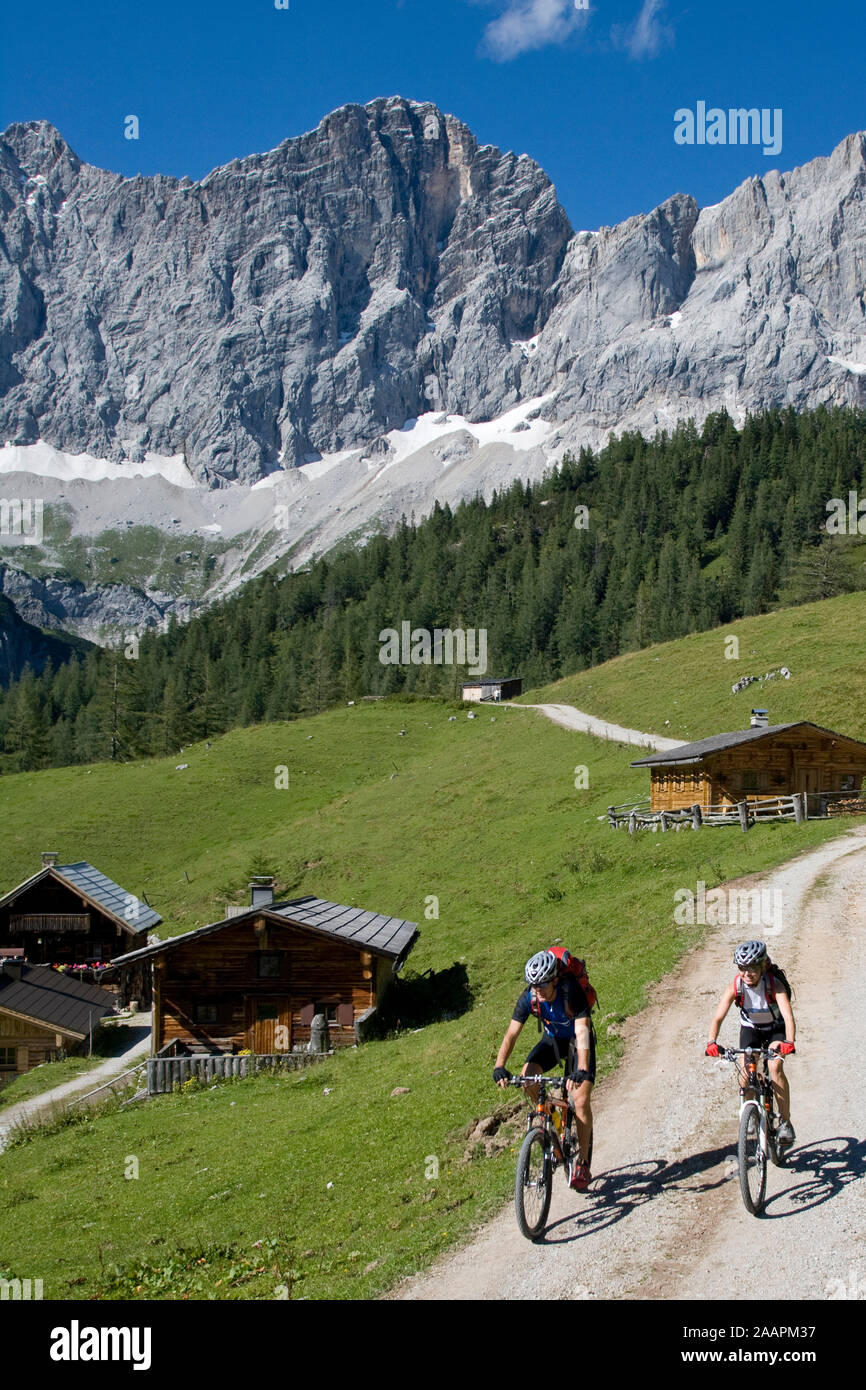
x=256, y=980
x=71, y=914
x=763, y=761
x=44, y=1011
x=492, y=690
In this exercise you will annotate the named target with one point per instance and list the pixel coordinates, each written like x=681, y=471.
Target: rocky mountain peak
x=292, y=302
x=383, y=266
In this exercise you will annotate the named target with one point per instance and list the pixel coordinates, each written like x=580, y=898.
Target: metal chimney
x=760, y=719
x=49, y=858
x=262, y=891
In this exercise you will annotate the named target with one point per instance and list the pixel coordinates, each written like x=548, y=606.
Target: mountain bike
x=551, y=1142
x=759, y=1125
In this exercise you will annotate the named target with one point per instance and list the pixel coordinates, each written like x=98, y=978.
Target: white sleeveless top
x=756, y=1012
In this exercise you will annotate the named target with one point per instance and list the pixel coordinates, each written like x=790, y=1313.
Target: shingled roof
x=696, y=752
x=125, y=908
x=55, y=999
x=391, y=937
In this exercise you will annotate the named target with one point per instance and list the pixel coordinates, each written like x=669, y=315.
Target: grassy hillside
x=271, y=1185
x=688, y=682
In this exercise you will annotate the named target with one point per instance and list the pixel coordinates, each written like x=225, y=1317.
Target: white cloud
x=646, y=35
x=530, y=24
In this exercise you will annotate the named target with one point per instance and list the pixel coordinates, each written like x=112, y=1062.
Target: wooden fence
x=124, y=1080
x=164, y=1073
x=637, y=815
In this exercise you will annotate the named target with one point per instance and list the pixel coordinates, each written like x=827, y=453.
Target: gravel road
x=571, y=718
x=664, y=1218
x=139, y=1029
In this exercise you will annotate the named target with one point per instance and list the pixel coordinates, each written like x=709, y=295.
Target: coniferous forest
x=683, y=532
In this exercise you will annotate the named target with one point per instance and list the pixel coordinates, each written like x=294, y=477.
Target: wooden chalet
x=43, y=1011
x=764, y=761
x=71, y=914
x=484, y=691
x=256, y=980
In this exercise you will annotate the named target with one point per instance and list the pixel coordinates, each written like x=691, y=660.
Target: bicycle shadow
x=621, y=1191
x=835, y=1164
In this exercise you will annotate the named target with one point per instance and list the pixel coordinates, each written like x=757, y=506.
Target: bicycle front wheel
x=533, y=1184
x=752, y=1161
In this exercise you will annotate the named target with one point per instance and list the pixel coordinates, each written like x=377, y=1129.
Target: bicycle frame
x=762, y=1102
x=544, y=1107
x=550, y=1141
x=756, y=1093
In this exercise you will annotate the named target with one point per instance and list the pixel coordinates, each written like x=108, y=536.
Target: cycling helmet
x=541, y=969
x=750, y=953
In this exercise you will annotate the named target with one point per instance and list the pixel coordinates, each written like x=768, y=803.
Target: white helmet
x=542, y=968
x=750, y=953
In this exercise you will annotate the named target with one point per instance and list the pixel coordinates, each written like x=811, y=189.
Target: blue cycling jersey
x=558, y=1016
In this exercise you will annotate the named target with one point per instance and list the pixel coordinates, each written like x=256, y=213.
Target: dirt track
x=571, y=718
x=664, y=1218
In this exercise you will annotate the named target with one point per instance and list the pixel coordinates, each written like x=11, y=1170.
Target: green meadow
x=688, y=682
x=323, y=1184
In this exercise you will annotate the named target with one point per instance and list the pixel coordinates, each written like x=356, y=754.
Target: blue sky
x=591, y=95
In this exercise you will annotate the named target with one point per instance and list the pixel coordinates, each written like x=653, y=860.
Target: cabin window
x=206, y=1013
x=7, y=1059
x=268, y=965
x=748, y=781
x=849, y=782
x=330, y=1012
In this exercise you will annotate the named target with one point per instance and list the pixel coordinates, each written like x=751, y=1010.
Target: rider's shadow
x=833, y=1165
x=620, y=1191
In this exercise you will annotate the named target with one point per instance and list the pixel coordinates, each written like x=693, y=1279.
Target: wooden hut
x=43, y=1011
x=761, y=762
x=258, y=979
x=71, y=914
x=484, y=691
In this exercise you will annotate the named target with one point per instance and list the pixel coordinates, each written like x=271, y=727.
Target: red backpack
x=568, y=965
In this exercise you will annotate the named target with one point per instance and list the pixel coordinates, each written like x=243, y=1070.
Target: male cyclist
x=766, y=1020
x=564, y=1011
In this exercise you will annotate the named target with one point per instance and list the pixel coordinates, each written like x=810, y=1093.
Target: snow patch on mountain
x=858, y=368
x=47, y=462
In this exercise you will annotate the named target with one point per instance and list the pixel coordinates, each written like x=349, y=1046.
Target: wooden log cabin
x=257, y=980
x=486, y=691
x=43, y=1011
x=71, y=914
x=761, y=762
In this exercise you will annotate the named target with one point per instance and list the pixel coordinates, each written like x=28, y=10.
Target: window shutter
x=307, y=1014
x=345, y=1015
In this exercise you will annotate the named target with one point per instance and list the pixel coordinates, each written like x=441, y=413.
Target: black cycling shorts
x=761, y=1037
x=547, y=1053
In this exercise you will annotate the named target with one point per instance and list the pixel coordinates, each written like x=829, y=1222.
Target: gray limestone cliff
x=384, y=265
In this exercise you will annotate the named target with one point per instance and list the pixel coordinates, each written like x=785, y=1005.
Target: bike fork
x=762, y=1125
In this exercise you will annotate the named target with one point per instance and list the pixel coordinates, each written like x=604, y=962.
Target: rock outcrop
x=99, y=613
x=23, y=645
x=385, y=265
x=298, y=301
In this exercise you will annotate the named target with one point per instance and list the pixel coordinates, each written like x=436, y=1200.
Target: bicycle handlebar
x=730, y=1052
x=536, y=1080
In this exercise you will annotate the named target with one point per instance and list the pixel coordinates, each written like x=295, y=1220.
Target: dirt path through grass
x=664, y=1217
x=46, y=1101
x=571, y=718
